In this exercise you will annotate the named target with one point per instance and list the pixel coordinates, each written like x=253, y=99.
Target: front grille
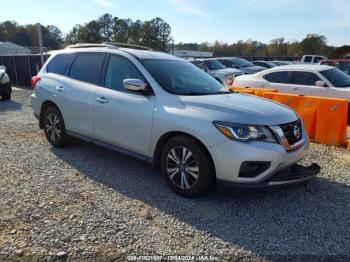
x=290, y=131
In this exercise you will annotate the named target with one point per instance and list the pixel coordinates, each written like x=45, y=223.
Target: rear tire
x=186, y=167
x=6, y=93
x=54, y=127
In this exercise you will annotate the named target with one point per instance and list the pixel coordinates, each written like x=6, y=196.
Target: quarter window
x=277, y=77
x=304, y=78
x=59, y=64
x=118, y=69
x=87, y=67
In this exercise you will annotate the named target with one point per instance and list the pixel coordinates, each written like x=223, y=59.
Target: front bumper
x=229, y=156
x=296, y=174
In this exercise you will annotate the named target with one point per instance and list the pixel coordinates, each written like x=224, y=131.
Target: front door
x=121, y=118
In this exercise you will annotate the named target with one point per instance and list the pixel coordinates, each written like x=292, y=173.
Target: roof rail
x=89, y=45
x=139, y=47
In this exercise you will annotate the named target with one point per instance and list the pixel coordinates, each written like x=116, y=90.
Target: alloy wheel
x=52, y=127
x=182, y=167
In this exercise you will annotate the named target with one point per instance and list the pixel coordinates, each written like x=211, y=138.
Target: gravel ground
x=86, y=202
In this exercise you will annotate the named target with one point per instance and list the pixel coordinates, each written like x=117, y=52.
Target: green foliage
x=154, y=33
x=27, y=35
x=312, y=44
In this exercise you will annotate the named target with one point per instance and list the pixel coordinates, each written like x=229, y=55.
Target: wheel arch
x=45, y=105
x=165, y=137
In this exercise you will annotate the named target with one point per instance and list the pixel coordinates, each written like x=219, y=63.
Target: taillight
x=35, y=80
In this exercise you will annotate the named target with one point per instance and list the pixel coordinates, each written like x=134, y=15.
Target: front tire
x=54, y=127
x=186, y=167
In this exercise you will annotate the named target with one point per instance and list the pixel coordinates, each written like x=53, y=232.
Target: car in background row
x=239, y=63
x=302, y=79
x=312, y=59
x=282, y=63
x=341, y=64
x=265, y=64
x=5, y=84
x=217, y=70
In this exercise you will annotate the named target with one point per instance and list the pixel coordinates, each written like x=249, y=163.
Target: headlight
x=229, y=79
x=245, y=133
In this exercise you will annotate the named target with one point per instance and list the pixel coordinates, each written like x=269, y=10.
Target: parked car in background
x=217, y=70
x=265, y=64
x=341, y=64
x=163, y=109
x=239, y=63
x=312, y=59
x=281, y=63
x=314, y=80
x=5, y=84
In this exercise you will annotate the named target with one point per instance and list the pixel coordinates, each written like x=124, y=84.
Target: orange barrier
x=254, y=91
x=325, y=119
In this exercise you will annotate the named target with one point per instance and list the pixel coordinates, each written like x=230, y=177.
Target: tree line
x=279, y=47
x=156, y=34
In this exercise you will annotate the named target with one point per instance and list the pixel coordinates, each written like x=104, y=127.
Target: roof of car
x=140, y=54
x=306, y=67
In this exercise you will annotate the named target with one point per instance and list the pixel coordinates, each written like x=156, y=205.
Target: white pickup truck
x=312, y=59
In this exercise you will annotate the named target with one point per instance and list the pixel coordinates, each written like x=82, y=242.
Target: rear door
x=77, y=93
x=278, y=80
x=122, y=118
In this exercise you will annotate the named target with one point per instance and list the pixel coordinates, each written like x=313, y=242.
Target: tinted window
x=304, y=78
x=242, y=62
x=60, y=63
x=87, y=67
x=317, y=59
x=118, y=69
x=213, y=64
x=277, y=77
x=337, y=77
x=227, y=63
x=182, y=78
x=308, y=59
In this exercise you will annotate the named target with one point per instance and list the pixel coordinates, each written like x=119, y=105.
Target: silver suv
x=164, y=110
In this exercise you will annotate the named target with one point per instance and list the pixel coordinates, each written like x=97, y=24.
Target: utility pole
x=40, y=39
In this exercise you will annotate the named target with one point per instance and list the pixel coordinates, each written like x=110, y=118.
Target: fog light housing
x=250, y=169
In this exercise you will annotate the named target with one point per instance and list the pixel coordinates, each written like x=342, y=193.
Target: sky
x=200, y=20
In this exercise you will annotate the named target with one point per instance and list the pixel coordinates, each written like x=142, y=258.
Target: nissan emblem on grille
x=296, y=131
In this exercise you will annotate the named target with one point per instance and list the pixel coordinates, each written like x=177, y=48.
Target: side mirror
x=320, y=83
x=3, y=67
x=135, y=85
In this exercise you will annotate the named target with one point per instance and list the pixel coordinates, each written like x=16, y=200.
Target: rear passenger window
x=304, y=78
x=59, y=64
x=118, y=69
x=87, y=67
x=277, y=77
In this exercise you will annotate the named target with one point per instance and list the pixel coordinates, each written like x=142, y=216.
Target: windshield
x=213, y=64
x=242, y=62
x=182, y=78
x=336, y=77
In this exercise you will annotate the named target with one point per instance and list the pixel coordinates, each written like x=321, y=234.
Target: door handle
x=295, y=88
x=102, y=100
x=60, y=88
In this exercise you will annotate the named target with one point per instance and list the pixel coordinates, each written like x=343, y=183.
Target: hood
x=226, y=71
x=241, y=108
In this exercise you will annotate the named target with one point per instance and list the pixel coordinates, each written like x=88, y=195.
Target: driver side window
x=118, y=69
